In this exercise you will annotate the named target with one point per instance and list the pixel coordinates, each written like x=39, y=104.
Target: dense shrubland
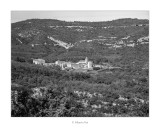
x=61, y=93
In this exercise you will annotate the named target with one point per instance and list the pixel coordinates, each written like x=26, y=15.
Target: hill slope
x=53, y=39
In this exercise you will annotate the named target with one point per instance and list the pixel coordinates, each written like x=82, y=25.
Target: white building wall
x=90, y=65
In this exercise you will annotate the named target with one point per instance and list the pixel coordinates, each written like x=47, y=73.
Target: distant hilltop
x=72, y=41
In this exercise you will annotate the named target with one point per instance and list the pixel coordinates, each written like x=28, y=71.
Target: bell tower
x=86, y=60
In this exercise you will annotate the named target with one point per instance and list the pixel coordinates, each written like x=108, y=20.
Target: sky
x=78, y=15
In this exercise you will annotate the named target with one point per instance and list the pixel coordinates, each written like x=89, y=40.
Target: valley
x=117, y=85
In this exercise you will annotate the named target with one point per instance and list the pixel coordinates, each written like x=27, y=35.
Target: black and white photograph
x=79, y=64
x=84, y=63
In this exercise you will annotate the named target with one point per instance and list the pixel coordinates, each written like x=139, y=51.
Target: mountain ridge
x=50, y=36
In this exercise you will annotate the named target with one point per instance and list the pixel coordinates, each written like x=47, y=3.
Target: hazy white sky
x=78, y=15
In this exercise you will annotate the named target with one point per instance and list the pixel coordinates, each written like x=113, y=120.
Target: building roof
x=49, y=64
x=81, y=61
x=39, y=60
x=60, y=62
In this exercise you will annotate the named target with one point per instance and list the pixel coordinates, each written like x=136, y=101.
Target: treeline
x=51, y=22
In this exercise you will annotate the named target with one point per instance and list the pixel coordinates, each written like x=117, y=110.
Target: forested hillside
x=52, y=39
x=39, y=91
x=46, y=91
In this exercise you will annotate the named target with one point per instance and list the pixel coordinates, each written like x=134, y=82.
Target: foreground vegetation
x=49, y=91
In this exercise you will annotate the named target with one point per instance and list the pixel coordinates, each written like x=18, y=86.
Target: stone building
x=38, y=61
x=82, y=64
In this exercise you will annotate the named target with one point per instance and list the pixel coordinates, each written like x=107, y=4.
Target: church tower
x=86, y=60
